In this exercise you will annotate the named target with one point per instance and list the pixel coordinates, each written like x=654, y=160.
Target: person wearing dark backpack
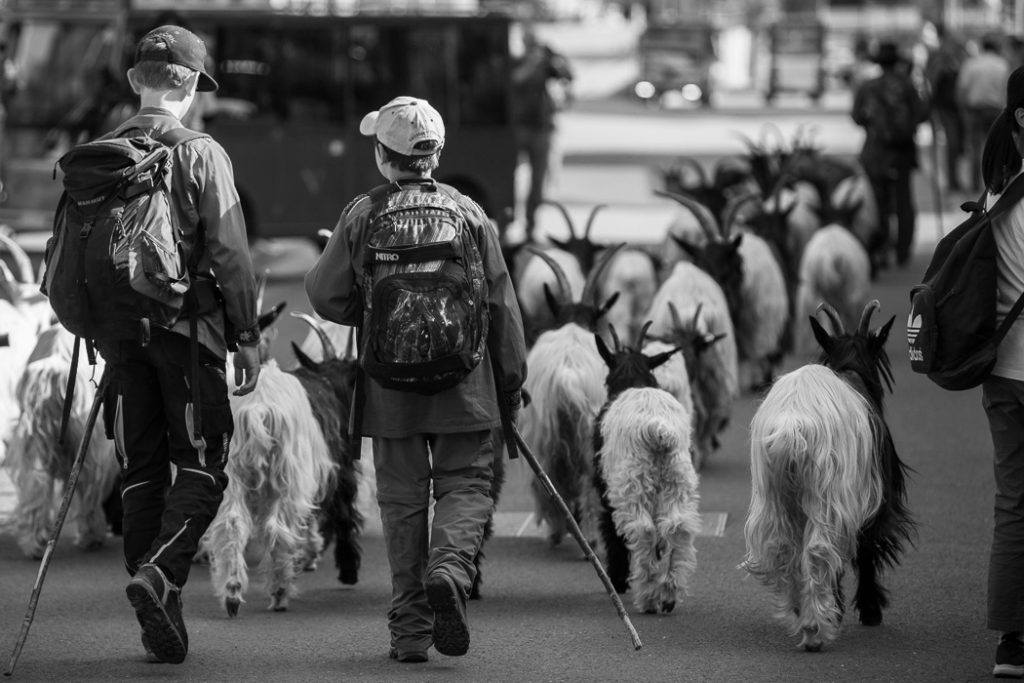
x=157, y=373
x=979, y=91
x=889, y=108
x=1003, y=391
x=417, y=267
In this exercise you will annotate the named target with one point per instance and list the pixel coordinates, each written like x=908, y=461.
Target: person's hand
x=247, y=369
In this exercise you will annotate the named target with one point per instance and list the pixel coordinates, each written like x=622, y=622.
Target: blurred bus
x=296, y=77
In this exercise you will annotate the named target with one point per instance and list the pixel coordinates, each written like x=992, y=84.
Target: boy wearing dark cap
x=148, y=405
x=445, y=440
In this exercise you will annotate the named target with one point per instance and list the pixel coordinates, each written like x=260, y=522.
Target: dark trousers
x=535, y=143
x=148, y=412
x=894, y=197
x=1004, y=405
x=459, y=468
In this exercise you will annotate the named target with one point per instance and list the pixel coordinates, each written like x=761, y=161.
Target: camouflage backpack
x=425, y=296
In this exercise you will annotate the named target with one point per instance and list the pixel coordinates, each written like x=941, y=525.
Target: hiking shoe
x=410, y=657
x=451, y=631
x=157, y=604
x=1009, y=657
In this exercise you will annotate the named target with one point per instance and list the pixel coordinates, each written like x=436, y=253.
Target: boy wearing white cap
x=437, y=356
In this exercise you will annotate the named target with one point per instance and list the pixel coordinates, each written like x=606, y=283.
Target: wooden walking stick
x=69, y=490
x=574, y=529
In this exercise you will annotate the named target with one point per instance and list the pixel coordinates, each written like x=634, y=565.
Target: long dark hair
x=1001, y=160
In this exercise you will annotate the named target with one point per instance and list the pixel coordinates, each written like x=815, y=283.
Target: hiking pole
x=65, y=503
x=574, y=529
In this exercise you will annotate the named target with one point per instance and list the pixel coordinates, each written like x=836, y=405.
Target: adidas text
x=916, y=355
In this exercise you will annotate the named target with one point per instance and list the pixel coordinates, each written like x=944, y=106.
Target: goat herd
x=636, y=358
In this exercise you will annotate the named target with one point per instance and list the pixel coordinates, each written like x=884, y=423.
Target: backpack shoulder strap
x=176, y=136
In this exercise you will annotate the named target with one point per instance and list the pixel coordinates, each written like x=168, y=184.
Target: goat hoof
x=232, y=605
x=871, y=616
x=810, y=641
x=668, y=606
x=349, y=577
x=650, y=610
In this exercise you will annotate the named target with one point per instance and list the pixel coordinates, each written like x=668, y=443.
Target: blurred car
x=676, y=59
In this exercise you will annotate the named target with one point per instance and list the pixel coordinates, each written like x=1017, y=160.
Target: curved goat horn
x=565, y=214
x=590, y=220
x=865, y=318
x=690, y=162
x=643, y=334
x=9, y=290
x=837, y=322
x=700, y=211
x=325, y=341
x=732, y=210
x=673, y=312
x=564, y=290
x=594, y=276
x=21, y=258
x=616, y=344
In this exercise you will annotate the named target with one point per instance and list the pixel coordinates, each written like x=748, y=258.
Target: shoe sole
x=1008, y=671
x=451, y=633
x=165, y=643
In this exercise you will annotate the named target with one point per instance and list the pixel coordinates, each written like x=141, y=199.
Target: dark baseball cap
x=176, y=45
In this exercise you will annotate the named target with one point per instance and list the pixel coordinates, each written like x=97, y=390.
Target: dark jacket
x=878, y=106
x=203, y=192
x=334, y=289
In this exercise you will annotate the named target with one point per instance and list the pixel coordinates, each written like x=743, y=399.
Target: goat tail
x=814, y=485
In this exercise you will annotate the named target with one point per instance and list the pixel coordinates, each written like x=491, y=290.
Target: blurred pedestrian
x=862, y=68
x=149, y=405
x=980, y=92
x=889, y=108
x=428, y=436
x=541, y=87
x=941, y=71
x=1003, y=392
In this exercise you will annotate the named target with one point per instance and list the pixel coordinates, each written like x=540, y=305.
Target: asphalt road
x=545, y=616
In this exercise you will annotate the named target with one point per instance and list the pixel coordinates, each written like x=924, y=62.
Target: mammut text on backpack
x=116, y=262
x=425, y=296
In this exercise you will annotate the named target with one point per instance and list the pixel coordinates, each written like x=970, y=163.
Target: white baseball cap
x=408, y=125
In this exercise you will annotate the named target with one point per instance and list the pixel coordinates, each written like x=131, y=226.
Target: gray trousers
x=460, y=468
x=1004, y=404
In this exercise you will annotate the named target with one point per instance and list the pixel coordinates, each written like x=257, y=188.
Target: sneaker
x=157, y=604
x=410, y=657
x=1009, y=657
x=451, y=630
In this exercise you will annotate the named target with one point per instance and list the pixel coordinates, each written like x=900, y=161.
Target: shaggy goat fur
x=835, y=268
x=763, y=316
x=827, y=486
x=39, y=464
x=647, y=483
x=278, y=472
x=633, y=276
x=565, y=383
x=715, y=374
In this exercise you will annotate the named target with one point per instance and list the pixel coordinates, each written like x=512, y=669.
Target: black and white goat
x=646, y=480
x=293, y=479
x=566, y=389
x=828, y=486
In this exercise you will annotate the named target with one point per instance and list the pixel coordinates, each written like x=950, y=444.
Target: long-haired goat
x=646, y=480
x=292, y=478
x=39, y=463
x=753, y=284
x=828, y=486
x=835, y=268
x=696, y=296
x=566, y=389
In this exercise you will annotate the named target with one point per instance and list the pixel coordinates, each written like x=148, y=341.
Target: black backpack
x=425, y=295
x=897, y=119
x=951, y=329
x=117, y=262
